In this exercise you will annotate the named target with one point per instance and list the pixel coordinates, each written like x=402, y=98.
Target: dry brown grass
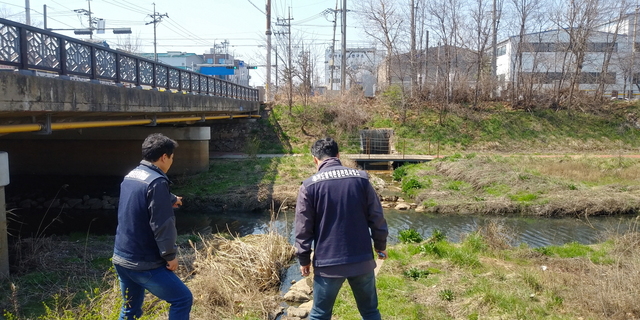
x=598, y=290
x=238, y=277
x=587, y=169
x=541, y=186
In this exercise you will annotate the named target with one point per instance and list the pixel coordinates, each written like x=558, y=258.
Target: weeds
x=409, y=236
x=471, y=282
x=415, y=273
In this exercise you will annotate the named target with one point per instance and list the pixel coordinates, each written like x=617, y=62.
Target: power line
x=131, y=4
x=257, y=7
x=185, y=30
x=127, y=7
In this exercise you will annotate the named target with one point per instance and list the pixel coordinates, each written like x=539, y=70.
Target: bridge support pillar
x=4, y=242
x=102, y=151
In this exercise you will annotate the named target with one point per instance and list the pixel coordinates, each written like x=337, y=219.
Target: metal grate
x=376, y=141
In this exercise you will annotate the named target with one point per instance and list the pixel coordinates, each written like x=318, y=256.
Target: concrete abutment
x=102, y=151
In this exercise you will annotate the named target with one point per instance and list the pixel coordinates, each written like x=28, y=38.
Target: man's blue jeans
x=325, y=291
x=162, y=283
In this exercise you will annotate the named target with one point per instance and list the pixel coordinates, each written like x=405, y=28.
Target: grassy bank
x=531, y=185
x=458, y=184
x=427, y=129
x=484, y=278
x=72, y=278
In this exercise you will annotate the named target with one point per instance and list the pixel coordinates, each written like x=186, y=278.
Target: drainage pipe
x=15, y=128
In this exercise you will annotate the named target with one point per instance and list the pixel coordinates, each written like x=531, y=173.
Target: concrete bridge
x=78, y=108
x=68, y=101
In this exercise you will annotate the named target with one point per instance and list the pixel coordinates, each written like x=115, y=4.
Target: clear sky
x=193, y=25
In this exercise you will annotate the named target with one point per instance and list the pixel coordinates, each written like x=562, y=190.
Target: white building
x=361, y=66
x=547, y=60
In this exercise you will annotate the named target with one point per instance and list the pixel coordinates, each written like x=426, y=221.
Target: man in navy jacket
x=338, y=214
x=145, y=248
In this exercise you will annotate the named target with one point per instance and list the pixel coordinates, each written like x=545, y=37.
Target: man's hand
x=178, y=202
x=173, y=264
x=305, y=270
x=382, y=254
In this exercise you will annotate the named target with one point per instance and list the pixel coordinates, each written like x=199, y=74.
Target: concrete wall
x=27, y=94
x=103, y=151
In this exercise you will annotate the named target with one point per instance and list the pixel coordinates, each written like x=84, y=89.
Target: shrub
x=437, y=235
x=446, y=295
x=399, y=173
x=411, y=184
x=410, y=236
x=415, y=273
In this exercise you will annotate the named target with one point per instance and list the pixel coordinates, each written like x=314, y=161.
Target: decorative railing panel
x=30, y=48
x=174, y=78
x=195, y=82
x=185, y=81
x=128, y=69
x=78, y=58
x=45, y=50
x=146, y=73
x=210, y=85
x=9, y=44
x=105, y=64
x=162, y=76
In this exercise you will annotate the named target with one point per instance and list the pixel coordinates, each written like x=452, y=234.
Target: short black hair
x=157, y=144
x=324, y=148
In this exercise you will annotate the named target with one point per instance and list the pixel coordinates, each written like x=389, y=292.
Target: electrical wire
x=126, y=7
x=131, y=4
x=11, y=4
x=257, y=7
x=185, y=31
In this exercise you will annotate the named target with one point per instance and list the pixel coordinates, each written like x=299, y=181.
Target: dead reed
x=240, y=276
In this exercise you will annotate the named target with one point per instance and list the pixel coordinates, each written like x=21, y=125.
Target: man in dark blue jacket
x=145, y=248
x=338, y=213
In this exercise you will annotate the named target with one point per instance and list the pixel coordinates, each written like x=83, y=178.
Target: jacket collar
x=154, y=168
x=329, y=162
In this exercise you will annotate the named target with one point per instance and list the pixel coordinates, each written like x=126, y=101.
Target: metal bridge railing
x=29, y=48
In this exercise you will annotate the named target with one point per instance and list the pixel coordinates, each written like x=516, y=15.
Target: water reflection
x=535, y=232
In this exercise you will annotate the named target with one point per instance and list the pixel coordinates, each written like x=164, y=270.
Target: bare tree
x=480, y=29
x=617, y=13
x=382, y=22
x=130, y=43
x=524, y=10
x=580, y=17
x=446, y=21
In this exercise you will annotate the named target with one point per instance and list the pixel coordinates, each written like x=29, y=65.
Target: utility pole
x=27, y=11
x=276, y=49
x=343, y=66
x=426, y=63
x=44, y=13
x=332, y=66
x=414, y=66
x=268, y=33
x=90, y=20
x=287, y=23
x=88, y=14
x=634, y=81
x=156, y=19
x=494, y=52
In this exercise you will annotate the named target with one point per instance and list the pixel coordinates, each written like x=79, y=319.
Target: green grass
x=409, y=236
x=225, y=176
